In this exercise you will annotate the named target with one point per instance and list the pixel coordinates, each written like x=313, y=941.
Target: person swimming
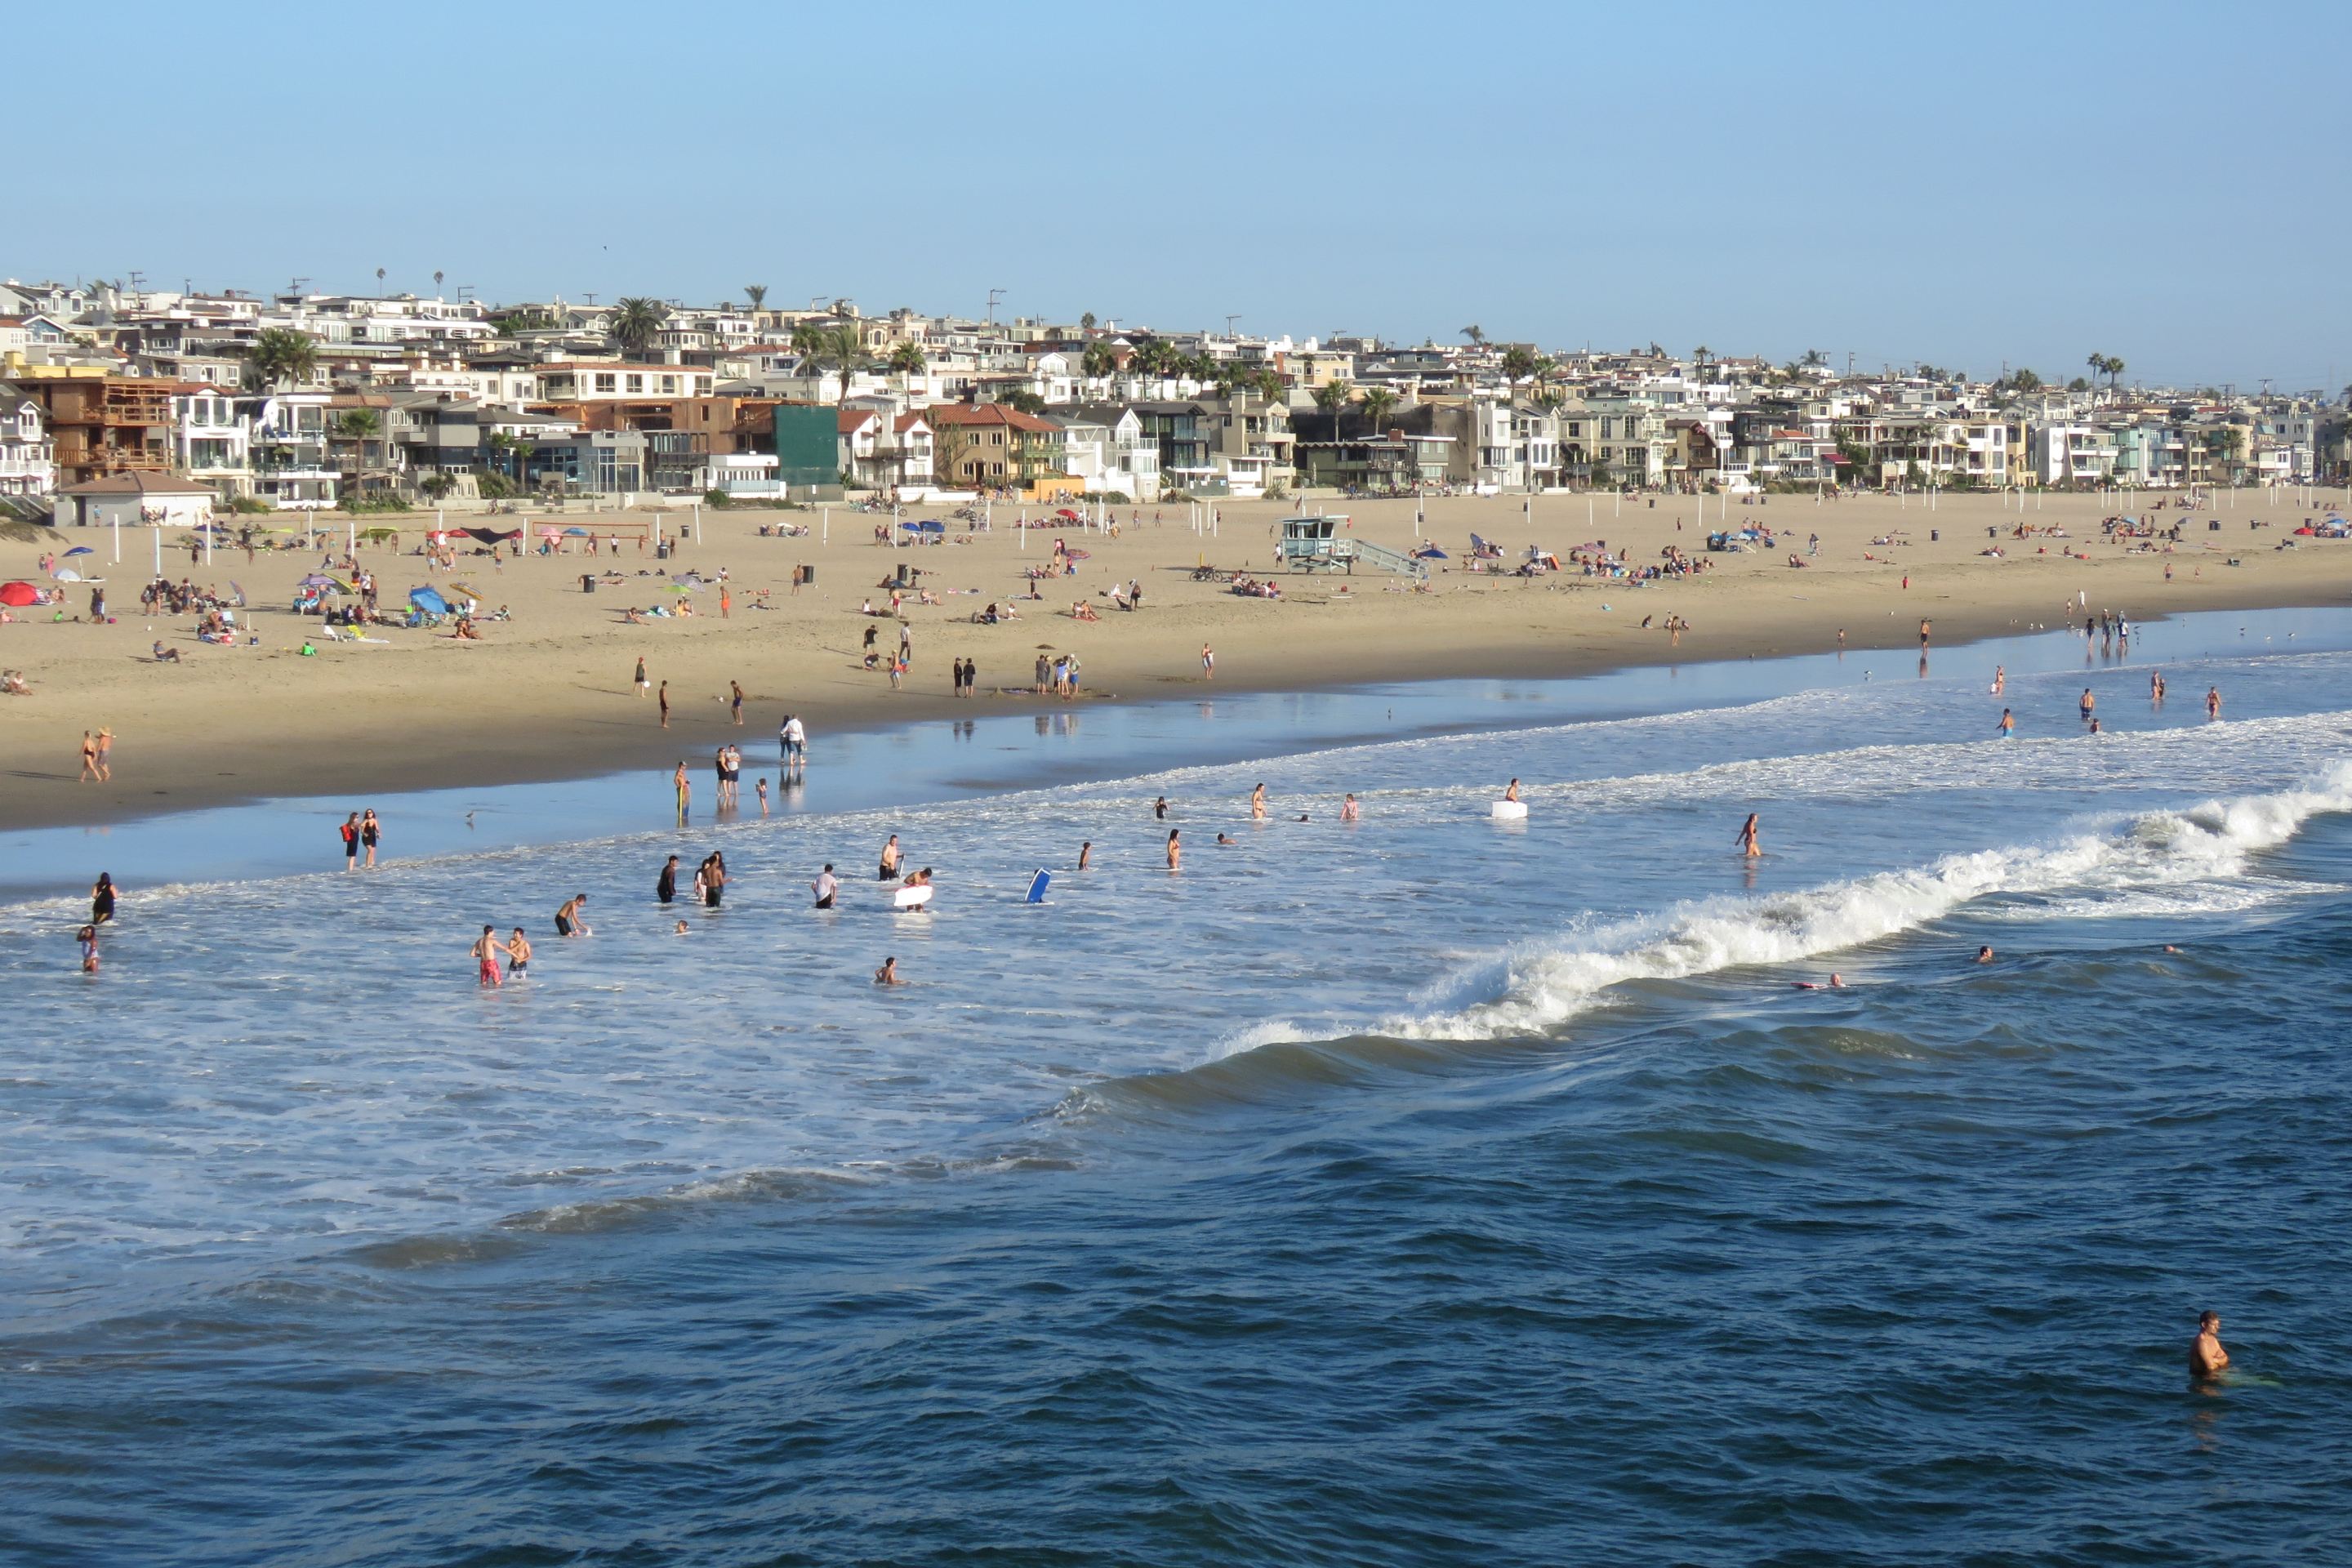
x=888, y=974
x=1984, y=956
x=1222, y=839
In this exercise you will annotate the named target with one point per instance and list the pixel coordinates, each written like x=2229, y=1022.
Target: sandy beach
x=548, y=693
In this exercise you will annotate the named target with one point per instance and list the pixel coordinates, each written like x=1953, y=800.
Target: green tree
x=281, y=354
x=636, y=321
x=840, y=346
x=354, y=427
x=1086, y=322
x=1814, y=359
x=1519, y=362
x=1377, y=404
x=2078, y=385
x=1476, y=334
x=1100, y=360
x=1331, y=397
x=1702, y=356
x=907, y=359
x=757, y=293
x=436, y=487
x=1022, y=398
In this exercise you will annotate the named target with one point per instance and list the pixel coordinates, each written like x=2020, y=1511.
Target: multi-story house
x=288, y=440
x=1249, y=442
x=2061, y=452
x=27, y=460
x=210, y=441
x=571, y=381
x=1628, y=440
x=995, y=445
x=101, y=425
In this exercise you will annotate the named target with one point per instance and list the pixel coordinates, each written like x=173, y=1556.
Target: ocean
x=1428, y=1188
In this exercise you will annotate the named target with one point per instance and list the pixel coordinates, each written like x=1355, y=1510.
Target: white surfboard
x=910, y=897
x=1510, y=811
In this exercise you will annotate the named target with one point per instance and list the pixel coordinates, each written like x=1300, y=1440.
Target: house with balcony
x=2062, y=452
x=572, y=381
x=993, y=446
x=1250, y=443
x=27, y=459
x=1129, y=461
x=882, y=449
x=212, y=441
x=288, y=441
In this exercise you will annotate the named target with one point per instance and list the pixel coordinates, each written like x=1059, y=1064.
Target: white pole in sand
x=159, y=550
x=824, y=525
x=118, y=538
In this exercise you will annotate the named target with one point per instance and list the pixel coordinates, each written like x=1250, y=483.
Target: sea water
x=1422, y=1188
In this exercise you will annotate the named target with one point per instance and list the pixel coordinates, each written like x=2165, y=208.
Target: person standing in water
x=685, y=787
x=88, y=938
x=2212, y=703
x=2000, y=679
x=370, y=832
x=2206, y=1356
x=519, y=953
x=102, y=900
x=1257, y=804
x=666, y=885
x=2007, y=727
x=488, y=948
x=1160, y=809
x=890, y=859
x=2087, y=705
x=352, y=842
x=1349, y=810
x=571, y=920
x=888, y=974
x=1512, y=794
x=1748, y=845
x=1086, y=853
x=825, y=886
x=1175, y=852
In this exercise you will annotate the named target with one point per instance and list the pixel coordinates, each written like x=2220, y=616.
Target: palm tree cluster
x=281, y=354
x=840, y=346
x=636, y=321
x=2107, y=365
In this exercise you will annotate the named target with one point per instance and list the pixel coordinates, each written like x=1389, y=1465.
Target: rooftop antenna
x=1229, y=323
x=138, y=282
x=590, y=298
x=993, y=296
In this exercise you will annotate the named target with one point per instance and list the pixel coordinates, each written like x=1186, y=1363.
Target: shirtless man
x=2206, y=1356
x=488, y=948
x=888, y=974
x=1512, y=793
x=890, y=859
x=2087, y=705
x=568, y=920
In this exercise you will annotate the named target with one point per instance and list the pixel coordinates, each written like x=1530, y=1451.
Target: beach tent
x=926, y=526
x=66, y=575
x=18, y=595
x=321, y=581
x=578, y=533
x=429, y=600
x=494, y=536
x=1482, y=549
x=690, y=580
x=1431, y=552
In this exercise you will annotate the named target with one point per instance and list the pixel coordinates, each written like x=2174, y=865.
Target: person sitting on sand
x=165, y=654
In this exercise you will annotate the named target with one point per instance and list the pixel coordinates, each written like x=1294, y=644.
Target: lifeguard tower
x=1315, y=544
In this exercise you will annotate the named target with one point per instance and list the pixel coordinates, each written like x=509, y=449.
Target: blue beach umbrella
x=429, y=600
x=79, y=549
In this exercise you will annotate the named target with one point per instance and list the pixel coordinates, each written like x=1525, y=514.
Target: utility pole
x=1229, y=319
x=993, y=296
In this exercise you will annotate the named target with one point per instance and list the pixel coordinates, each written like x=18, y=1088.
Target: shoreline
x=528, y=717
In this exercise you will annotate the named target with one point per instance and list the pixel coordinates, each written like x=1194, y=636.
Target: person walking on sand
x=371, y=835
x=642, y=684
x=88, y=758
x=1175, y=850
x=351, y=831
x=1208, y=662
x=735, y=702
x=488, y=948
x=664, y=695
x=105, y=752
x=1748, y=845
x=794, y=739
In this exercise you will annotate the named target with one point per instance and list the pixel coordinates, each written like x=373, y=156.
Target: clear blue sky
x=1967, y=185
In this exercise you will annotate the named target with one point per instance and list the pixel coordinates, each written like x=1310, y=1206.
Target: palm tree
x=907, y=359
x=1519, y=362
x=1269, y=384
x=2115, y=372
x=1086, y=322
x=635, y=322
x=1331, y=397
x=1100, y=360
x=757, y=293
x=1814, y=359
x=437, y=280
x=1702, y=356
x=1378, y=402
x=2099, y=365
x=840, y=346
x=1476, y=334
x=379, y=277
x=282, y=353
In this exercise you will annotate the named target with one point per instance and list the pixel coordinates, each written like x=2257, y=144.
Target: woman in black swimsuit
x=101, y=900
x=369, y=828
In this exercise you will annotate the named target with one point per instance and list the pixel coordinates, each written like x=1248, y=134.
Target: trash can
x=902, y=574
x=1934, y=536
x=587, y=583
x=808, y=575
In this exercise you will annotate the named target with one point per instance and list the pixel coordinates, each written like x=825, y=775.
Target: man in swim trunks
x=888, y=974
x=890, y=859
x=568, y=921
x=2008, y=726
x=2206, y=1356
x=825, y=886
x=488, y=949
x=2087, y=704
x=666, y=886
x=519, y=953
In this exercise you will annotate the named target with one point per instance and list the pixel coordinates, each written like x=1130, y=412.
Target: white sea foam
x=1544, y=985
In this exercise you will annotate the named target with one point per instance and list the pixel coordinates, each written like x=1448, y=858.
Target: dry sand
x=548, y=694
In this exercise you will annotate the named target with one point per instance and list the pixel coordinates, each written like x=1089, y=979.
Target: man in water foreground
x=2206, y=1356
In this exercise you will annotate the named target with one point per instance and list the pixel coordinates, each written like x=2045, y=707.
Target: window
x=669, y=384
x=606, y=381
x=636, y=384
x=1608, y=428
